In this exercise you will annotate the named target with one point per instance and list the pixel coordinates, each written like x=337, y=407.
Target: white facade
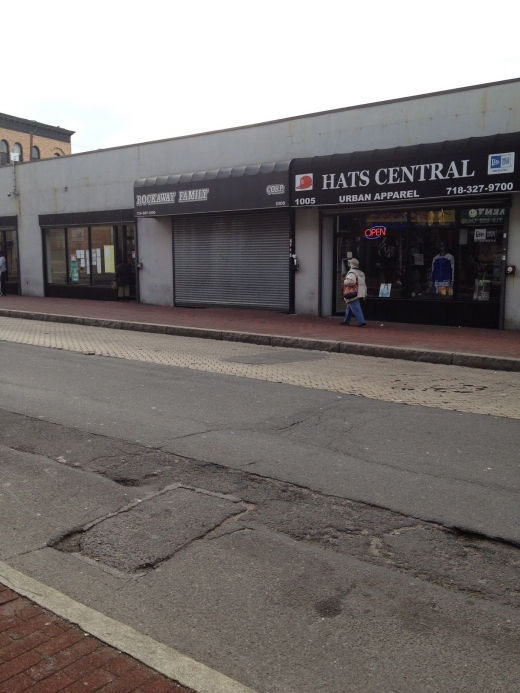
x=103, y=180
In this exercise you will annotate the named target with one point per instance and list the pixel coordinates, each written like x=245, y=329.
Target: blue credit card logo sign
x=501, y=163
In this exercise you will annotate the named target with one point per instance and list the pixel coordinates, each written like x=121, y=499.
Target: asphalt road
x=457, y=469
x=319, y=542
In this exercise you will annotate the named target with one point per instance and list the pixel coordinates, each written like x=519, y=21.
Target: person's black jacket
x=123, y=274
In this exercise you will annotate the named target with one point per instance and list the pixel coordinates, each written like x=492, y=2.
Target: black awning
x=8, y=222
x=107, y=216
x=450, y=169
x=255, y=186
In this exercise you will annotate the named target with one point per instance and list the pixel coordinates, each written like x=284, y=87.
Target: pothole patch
x=150, y=532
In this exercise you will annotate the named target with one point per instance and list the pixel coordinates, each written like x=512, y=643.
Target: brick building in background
x=31, y=140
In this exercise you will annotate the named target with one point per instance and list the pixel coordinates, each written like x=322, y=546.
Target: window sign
x=375, y=232
x=74, y=269
x=482, y=215
x=481, y=291
x=109, y=258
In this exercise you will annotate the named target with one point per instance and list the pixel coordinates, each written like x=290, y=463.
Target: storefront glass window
x=87, y=255
x=432, y=264
x=10, y=248
x=126, y=250
x=438, y=266
x=385, y=254
x=103, y=254
x=436, y=254
x=480, y=263
x=126, y=243
x=55, y=253
x=347, y=246
x=78, y=255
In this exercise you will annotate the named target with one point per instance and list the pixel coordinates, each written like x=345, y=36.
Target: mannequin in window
x=443, y=273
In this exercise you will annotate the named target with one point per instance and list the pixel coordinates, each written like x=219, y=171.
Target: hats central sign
x=447, y=169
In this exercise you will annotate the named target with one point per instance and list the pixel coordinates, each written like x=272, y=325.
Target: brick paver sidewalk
x=41, y=653
x=467, y=340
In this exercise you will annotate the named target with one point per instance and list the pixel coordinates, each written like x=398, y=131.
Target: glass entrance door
x=9, y=245
x=126, y=251
x=348, y=245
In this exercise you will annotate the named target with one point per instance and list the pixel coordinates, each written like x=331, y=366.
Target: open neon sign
x=375, y=232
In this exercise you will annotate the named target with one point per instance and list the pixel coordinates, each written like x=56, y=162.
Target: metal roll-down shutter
x=233, y=260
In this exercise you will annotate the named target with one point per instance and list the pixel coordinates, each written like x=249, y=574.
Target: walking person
x=3, y=273
x=123, y=280
x=354, y=289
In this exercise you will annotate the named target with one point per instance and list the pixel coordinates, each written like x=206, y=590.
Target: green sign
x=482, y=215
x=74, y=271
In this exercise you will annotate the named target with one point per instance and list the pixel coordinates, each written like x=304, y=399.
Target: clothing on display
x=443, y=274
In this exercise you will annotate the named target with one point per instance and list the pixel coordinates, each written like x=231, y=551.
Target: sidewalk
x=42, y=653
x=499, y=350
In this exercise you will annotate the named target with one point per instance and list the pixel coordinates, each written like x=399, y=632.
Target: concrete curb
x=154, y=654
x=495, y=363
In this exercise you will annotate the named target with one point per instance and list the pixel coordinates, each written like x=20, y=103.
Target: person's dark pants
x=2, y=282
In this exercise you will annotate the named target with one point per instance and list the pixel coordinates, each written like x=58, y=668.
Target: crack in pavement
x=72, y=540
x=195, y=540
x=274, y=479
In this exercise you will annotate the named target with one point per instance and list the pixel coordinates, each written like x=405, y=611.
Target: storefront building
x=428, y=223
x=232, y=234
x=428, y=200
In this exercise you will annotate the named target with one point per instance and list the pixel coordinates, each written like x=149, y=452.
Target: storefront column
x=30, y=256
x=327, y=265
x=512, y=308
x=155, y=243
x=307, y=246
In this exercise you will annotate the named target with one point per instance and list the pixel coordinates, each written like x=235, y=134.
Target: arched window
x=35, y=153
x=4, y=153
x=57, y=154
x=17, y=149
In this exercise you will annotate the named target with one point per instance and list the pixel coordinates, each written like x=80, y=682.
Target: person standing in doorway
x=354, y=289
x=3, y=272
x=123, y=280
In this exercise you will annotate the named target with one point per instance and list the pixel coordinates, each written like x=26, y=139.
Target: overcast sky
x=119, y=72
